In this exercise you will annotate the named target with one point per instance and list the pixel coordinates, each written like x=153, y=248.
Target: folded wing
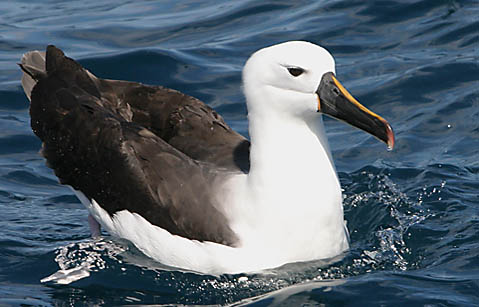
x=145, y=149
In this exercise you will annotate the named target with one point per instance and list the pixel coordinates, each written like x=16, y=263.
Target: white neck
x=291, y=198
x=290, y=158
x=289, y=153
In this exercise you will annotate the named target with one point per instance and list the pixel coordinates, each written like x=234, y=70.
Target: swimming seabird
x=164, y=171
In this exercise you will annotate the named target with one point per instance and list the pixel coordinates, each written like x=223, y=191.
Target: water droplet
x=243, y=279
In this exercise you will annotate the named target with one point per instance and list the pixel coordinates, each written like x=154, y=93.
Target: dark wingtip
x=33, y=72
x=54, y=58
x=24, y=69
x=53, y=48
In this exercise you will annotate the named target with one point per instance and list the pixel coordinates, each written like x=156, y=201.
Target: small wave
x=77, y=260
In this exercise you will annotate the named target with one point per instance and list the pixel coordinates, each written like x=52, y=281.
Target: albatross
x=164, y=171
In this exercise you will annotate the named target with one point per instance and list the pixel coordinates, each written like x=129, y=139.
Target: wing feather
x=131, y=147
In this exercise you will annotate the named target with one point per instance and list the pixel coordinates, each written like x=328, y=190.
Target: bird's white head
x=296, y=79
x=288, y=74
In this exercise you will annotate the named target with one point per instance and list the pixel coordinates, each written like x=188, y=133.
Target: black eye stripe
x=295, y=71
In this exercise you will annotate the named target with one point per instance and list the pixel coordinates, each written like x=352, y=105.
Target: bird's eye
x=295, y=71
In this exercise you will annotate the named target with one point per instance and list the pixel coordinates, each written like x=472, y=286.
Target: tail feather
x=33, y=66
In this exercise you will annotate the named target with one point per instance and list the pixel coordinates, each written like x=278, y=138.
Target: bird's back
x=145, y=149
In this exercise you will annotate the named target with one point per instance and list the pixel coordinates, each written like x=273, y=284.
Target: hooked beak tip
x=390, y=134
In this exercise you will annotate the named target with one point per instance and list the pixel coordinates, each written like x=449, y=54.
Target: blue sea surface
x=413, y=213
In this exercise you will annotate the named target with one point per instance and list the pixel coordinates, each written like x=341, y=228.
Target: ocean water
x=413, y=213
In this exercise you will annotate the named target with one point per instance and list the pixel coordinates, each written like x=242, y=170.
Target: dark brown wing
x=183, y=121
x=131, y=146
